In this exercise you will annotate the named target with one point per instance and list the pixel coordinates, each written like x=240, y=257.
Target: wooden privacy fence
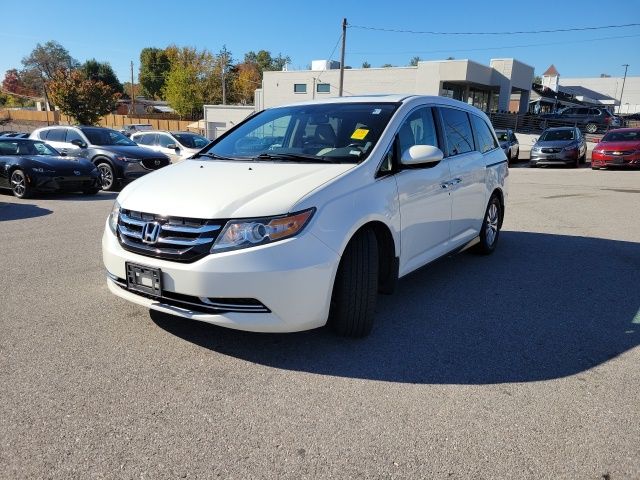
x=111, y=121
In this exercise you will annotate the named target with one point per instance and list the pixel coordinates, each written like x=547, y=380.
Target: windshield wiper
x=212, y=155
x=294, y=157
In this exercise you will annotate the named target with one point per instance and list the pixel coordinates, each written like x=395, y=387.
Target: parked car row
x=588, y=119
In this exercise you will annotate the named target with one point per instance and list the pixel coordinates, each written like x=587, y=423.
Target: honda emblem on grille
x=76, y=172
x=150, y=232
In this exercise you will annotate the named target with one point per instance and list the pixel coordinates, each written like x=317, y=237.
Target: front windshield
x=335, y=132
x=626, y=136
x=191, y=140
x=554, y=135
x=106, y=136
x=502, y=136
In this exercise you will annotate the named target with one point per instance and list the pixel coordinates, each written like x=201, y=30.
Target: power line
x=503, y=47
x=330, y=56
x=523, y=32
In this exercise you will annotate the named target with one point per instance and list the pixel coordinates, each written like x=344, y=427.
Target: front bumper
x=604, y=160
x=74, y=183
x=292, y=278
x=564, y=157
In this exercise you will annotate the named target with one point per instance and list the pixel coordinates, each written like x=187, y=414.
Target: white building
x=486, y=87
x=609, y=87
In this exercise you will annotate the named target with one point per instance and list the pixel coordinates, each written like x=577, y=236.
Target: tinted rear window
x=457, y=130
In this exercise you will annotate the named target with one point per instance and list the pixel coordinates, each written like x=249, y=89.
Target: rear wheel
x=591, y=128
x=19, y=185
x=490, y=230
x=90, y=191
x=107, y=178
x=355, y=290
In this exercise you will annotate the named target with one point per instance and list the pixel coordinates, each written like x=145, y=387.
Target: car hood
x=629, y=145
x=131, y=151
x=224, y=189
x=554, y=143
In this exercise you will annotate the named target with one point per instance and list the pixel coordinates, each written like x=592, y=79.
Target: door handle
x=445, y=185
x=455, y=181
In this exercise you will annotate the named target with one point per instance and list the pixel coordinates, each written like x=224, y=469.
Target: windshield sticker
x=377, y=111
x=359, y=134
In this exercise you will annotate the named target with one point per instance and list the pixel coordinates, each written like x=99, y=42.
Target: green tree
x=155, y=65
x=366, y=64
x=414, y=61
x=265, y=61
x=102, y=71
x=84, y=99
x=182, y=90
x=44, y=61
x=537, y=79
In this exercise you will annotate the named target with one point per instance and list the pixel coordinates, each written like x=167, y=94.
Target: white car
x=176, y=145
x=301, y=214
x=132, y=128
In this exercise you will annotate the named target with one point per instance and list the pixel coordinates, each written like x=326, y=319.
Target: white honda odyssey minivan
x=300, y=215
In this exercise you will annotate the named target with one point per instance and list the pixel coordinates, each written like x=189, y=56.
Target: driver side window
x=418, y=129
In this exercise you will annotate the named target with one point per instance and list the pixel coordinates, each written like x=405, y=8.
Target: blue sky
x=116, y=31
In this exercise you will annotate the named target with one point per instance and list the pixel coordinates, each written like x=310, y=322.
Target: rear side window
x=145, y=139
x=164, y=140
x=57, y=135
x=485, y=140
x=73, y=135
x=457, y=131
x=43, y=134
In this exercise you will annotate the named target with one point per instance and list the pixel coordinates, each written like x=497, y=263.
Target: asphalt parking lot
x=523, y=364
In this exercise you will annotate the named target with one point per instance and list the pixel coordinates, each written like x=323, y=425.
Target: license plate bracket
x=146, y=280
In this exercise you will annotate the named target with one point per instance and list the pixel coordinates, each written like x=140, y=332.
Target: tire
x=355, y=290
x=583, y=158
x=490, y=230
x=576, y=164
x=90, y=191
x=107, y=177
x=517, y=155
x=591, y=128
x=19, y=185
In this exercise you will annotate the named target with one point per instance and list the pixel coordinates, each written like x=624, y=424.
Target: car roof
x=384, y=98
x=560, y=128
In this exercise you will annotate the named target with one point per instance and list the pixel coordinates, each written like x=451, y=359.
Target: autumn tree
x=155, y=66
x=43, y=62
x=182, y=90
x=79, y=97
x=247, y=80
x=102, y=71
x=265, y=62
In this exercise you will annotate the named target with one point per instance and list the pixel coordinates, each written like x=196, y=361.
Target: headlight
x=128, y=159
x=536, y=149
x=113, y=217
x=249, y=233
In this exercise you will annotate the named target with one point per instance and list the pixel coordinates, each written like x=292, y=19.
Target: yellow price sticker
x=359, y=134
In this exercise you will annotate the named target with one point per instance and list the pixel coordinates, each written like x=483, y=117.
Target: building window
x=323, y=88
x=299, y=88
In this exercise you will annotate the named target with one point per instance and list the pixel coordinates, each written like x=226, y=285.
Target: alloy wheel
x=18, y=183
x=106, y=176
x=491, y=223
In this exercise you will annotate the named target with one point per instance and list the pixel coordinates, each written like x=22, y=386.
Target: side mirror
x=172, y=146
x=421, y=154
x=63, y=154
x=79, y=143
x=535, y=140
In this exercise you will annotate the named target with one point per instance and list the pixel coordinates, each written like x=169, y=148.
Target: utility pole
x=626, y=66
x=223, y=68
x=133, y=96
x=344, y=39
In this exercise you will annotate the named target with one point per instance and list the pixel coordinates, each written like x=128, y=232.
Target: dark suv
x=119, y=160
x=589, y=119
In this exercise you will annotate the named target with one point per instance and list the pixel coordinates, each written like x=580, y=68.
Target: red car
x=618, y=148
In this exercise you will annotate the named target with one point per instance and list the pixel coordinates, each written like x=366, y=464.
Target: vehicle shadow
x=19, y=211
x=541, y=307
x=74, y=196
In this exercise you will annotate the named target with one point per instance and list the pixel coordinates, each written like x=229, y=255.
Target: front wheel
x=355, y=290
x=490, y=230
x=107, y=178
x=19, y=185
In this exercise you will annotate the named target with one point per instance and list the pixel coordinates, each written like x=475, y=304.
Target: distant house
x=142, y=106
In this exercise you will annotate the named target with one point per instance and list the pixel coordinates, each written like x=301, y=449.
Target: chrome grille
x=179, y=239
x=201, y=304
x=618, y=152
x=154, y=163
x=551, y=150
